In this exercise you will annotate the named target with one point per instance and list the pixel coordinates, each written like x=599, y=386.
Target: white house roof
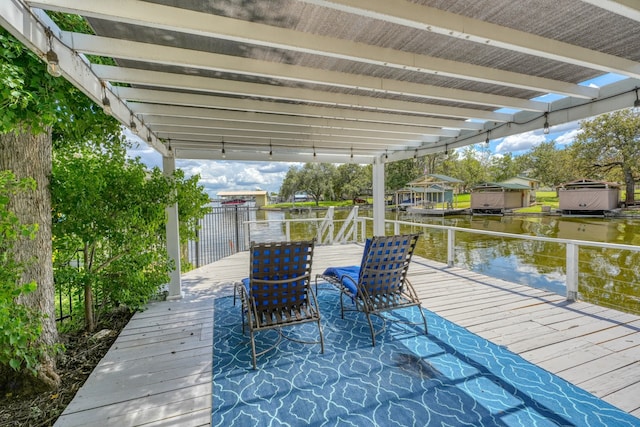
x=340, y=80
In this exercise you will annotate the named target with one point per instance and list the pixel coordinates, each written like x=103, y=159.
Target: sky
x=222, y=175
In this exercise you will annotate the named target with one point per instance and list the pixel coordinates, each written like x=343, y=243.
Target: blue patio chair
x=379, y=284
x=278, y=292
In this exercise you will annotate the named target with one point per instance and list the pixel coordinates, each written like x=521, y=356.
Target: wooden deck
x=158, y=372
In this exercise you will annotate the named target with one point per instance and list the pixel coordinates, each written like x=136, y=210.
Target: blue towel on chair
x=352, y=271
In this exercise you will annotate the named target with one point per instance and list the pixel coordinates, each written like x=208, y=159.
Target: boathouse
x=260, y=196
x=586, y=196
x=495, y=198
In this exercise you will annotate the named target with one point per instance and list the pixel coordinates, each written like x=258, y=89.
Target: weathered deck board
x=158, y=372
x=593, y=347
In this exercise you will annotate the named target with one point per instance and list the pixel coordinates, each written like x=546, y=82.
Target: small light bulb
x=53, y=66
x=106, y=106
x=545, y=128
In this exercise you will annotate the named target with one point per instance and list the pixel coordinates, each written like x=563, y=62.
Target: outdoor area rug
x=449, y=377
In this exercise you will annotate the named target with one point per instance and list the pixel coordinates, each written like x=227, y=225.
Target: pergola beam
x=452, y=25
x=627, y=8
x=151, y=96
x=186, y=21
x=126, y=49
x=185, y=151
x=237, y=88
x=295, y=139
x=267, y=129
x=170, y=113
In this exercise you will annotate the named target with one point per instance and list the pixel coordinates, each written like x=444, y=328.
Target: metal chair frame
x=382, y=283
x=279, y=292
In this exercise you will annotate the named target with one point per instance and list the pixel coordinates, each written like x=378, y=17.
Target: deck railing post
x=287, y=230
x=247, y=236
x=451, y=247
x=237, y=229
x=396, y=228
x=572, y=271
x=197, y=247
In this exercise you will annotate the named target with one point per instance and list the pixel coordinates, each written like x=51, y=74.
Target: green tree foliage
x=432, y=163
x=608, y=147
x=507, y=166
x=108, y=212
x=27, y=98
x=192, y=204
x=397, y=174
x=316, y=179
x=472, y=168
x=21, y=325
x=290, y=183
x=351, y=180
x=550, y=165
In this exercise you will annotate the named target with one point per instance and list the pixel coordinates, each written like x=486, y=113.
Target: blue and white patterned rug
x=450, y=377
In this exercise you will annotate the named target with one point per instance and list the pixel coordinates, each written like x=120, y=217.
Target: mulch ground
x=82, y=353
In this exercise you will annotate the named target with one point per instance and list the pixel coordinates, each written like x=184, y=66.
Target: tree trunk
x=29, y=155
x=630, y=185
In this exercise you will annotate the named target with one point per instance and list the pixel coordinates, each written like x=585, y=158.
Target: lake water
x=607, y=277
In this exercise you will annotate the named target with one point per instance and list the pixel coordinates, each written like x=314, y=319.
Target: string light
x=545, y=129
x=132, y=123
x=224, y=153
x=351, y=157
x=270, y=150
x=106, y=104
x=53, y=64
x=486, y=141
x=314, y=151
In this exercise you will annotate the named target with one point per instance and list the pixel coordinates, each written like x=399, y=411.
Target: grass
x=543, y=198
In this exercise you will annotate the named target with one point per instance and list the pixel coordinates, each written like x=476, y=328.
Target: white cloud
x=217, y=175
x=522, y=142
x=567, y=137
